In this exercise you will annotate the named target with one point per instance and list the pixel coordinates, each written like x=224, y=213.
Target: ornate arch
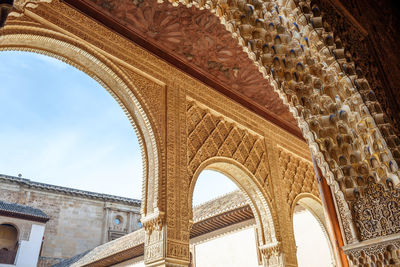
x=256, y=197
x=289, y=43
x=114, y=80
x=313, y=204
x=224, y=146
x=294, y=49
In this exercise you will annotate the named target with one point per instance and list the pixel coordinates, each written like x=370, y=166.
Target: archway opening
x=60, y=127
x=8, y=243
x=73, y=142
x=224, y=232
x=312, y=242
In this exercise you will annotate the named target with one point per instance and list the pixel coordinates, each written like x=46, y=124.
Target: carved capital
x=153, y=222
x=154, y=239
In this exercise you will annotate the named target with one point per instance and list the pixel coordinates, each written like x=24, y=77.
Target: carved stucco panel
x=297, y=174
x=210, y=135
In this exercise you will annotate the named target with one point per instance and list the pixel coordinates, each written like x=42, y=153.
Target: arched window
x=8, y=243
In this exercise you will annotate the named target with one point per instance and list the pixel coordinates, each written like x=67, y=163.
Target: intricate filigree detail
x=272, y=254
x=198, y=39
x=384, y=254
x=298, y=176
x=359, y=45
x=210, y=135
x=377, y=210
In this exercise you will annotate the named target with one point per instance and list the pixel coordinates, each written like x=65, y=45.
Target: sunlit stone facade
x=78, y=220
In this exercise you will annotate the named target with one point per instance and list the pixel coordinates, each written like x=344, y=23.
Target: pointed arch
x=252, y=189
x=87, y=59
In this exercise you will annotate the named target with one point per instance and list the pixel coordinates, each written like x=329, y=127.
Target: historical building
x=77, y=220
x=21, y=234
x=295, y=100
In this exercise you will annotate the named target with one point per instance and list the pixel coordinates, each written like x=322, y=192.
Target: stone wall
x=77, y=223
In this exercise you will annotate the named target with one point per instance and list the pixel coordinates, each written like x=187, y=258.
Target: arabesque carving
x=210, y=135
x=198, y=39
x=377, y=209
x=272, y=254
x=286, y=41
x=331, y=100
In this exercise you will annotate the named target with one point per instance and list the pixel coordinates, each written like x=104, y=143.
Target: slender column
x=282, y=253
x=332, y=219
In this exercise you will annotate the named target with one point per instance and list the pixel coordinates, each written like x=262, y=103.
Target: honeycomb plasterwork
x=359, y=45
x=384, y=254
x=288, y=45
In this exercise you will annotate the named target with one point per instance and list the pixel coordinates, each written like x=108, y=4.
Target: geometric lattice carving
x=298, y=176
x=210, y=135
x=377, y=210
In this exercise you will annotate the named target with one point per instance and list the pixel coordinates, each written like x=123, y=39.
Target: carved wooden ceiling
x=195, y=41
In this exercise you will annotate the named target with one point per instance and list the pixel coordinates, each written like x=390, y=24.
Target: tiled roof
x=230, y=201
x=68, y=191
x=123, y=243
x=70, y=261
x=22, y=211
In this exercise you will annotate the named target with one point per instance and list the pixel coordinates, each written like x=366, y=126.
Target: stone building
x=295, y=100
x=78, y=220
x=21, y=234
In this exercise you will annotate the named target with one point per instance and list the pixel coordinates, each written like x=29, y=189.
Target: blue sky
x=59, y=126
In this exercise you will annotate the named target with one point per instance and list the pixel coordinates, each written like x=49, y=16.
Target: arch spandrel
x=88, y=60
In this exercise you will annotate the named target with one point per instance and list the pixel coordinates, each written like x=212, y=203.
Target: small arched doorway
x=8, y=243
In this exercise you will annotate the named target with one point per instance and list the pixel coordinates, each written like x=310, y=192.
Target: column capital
x=272, y=254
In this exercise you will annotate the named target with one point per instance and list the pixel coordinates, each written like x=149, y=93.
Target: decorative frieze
x=377, y=209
